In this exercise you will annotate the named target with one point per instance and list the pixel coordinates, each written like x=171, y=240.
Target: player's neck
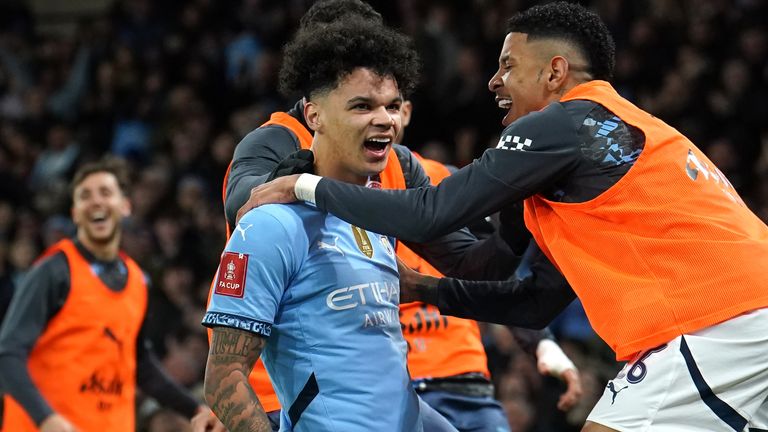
x=328, y=164
x=106, y=251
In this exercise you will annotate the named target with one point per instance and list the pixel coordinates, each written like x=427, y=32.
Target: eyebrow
x=506, y=58
x=363, y=99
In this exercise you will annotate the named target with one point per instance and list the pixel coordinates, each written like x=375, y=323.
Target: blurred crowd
x=173, y=86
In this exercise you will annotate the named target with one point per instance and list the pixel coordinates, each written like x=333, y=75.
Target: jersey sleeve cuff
x=305, y=187
x=222, y=319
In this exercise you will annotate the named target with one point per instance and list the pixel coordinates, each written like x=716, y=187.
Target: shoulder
x=266, y=137
x=552, y=124
x=402, y=152
x=54, y=264
x=278, y=223
x=413, y=171
x=51, y=274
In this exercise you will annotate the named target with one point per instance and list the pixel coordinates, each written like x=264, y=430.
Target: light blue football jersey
x=326, y=295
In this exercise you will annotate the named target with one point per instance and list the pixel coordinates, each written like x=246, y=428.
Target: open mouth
x=504, y=103
x=98, y=217
x=377, y=145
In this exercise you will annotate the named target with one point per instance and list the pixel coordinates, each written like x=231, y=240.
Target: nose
x=383, y=117
x=495, y=82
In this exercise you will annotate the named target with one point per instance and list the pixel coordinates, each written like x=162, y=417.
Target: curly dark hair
x=328, y=11
x=320, y=57
x=572, y=23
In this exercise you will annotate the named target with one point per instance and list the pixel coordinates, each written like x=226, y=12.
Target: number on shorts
x=639, y=370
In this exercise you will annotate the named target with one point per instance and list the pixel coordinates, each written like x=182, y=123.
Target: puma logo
x=239, y=228
x=323, y=245
x=614, y=391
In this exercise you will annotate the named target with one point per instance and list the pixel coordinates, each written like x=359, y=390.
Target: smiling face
x=522, y=83
x=98, y=206
x=355, y=125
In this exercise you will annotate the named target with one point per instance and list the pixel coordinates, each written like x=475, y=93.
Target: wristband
x=550, y=354
x=305, y=186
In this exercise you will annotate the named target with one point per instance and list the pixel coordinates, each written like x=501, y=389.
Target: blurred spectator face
x=723, y=154
x=98, y=207
x=515, y=84
x=223, y=147
x=58, y=137
x=191, y=194
x=138, y=243
x=245, y=120
x=735, y=77
x=754, y=44
x=177, y=285
x=22, y=253
x=358, y=120
x=6, y=218
x=467, y=62
x=105, y=75
x=34, y=102
x=167, y=231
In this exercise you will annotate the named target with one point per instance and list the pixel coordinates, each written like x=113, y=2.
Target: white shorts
x=715, y=379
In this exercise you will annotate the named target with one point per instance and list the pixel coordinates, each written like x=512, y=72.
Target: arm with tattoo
x=231, y=357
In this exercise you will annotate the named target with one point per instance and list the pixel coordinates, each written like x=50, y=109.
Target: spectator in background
x=71, y=349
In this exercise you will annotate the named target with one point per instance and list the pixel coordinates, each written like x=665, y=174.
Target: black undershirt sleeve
x=459, y=253
x=38, y=298
x=548, y=151
x=531, y=302
x=254, y=158
x=152, y=379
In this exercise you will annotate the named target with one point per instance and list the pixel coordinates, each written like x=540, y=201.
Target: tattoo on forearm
x=232, y=356
x=232, y=343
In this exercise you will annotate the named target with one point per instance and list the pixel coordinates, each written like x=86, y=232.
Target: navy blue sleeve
x=459, y=253
x=254, y=158
x=153, y=380
x=39, y=296
x=533, y=153
x=531, y=302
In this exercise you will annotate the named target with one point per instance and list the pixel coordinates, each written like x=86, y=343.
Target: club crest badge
x=362, y=240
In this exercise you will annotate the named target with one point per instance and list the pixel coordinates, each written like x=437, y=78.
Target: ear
x=559, y=69
x=125, y=209
x=312, y=115
x=405, y=112
x=72, y=215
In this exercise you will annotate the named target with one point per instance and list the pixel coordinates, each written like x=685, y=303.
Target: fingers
x=278, y=191
x=573, y=392
x=252, y=203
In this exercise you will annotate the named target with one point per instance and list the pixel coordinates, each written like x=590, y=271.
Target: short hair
x=574, y=24
x=116, y=167
x=319, y=58
x=328, y=11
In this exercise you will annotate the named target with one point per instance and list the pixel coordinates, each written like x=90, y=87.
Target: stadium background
x=172, y=86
